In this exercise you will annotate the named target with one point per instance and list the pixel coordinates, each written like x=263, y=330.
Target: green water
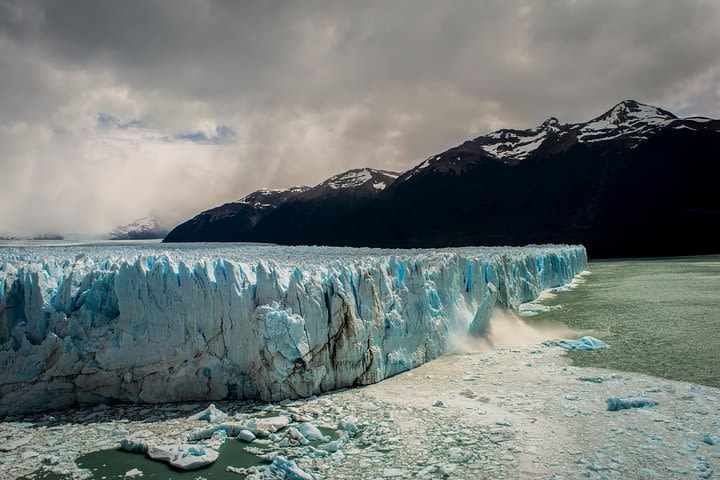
x=114, y=463
x=659, y=316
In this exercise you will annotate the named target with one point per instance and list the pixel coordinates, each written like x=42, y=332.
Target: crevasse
x=268, y=323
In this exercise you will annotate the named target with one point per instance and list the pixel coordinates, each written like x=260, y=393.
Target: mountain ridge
x=551, y=183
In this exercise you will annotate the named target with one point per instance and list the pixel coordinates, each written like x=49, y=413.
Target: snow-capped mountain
x=146, y=228
x=259, y=202
x=361, y=178
x=339, y=192
x=635, y=180
x=628, y=122
x=358, y=182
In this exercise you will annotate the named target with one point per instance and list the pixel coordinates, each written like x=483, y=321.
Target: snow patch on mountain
x=628, y=119
x=359, y=177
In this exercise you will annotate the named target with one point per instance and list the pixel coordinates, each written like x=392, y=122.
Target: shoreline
x=512, y=413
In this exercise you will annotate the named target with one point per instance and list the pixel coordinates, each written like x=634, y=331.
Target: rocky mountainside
x=634, y=181
x=334, y=196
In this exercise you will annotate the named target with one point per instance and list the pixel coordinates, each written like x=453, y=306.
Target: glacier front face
x=81, y=325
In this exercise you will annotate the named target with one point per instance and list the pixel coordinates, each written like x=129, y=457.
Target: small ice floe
x=183, y=456
x=138, y=442
x=585, y=343
x=217, y=440
x=335, y=445
x=614, y=404
x=211, y=414
x=245, y=435
x=349, y=424
x=293, y=437
x=531, y=309
x=133, y=473
x=711, y=439
x=702, y=467
x=311, y=432
x=271, y=424
x=592, y=379
x=426, y=472
x=15, y=443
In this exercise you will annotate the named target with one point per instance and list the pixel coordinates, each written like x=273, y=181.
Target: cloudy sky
x=110, y=111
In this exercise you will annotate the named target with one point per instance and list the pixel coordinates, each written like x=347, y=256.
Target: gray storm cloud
x=114, y=110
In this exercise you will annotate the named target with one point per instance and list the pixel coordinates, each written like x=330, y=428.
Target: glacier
x=150, y=323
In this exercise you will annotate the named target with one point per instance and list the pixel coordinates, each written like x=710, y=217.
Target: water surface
x=659, y=316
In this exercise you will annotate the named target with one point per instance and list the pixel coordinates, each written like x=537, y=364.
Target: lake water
x=659, y=316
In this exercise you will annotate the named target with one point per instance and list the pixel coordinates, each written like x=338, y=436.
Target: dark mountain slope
x=634, y=181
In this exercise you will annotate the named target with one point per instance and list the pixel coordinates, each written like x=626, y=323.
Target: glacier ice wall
x=269, y=323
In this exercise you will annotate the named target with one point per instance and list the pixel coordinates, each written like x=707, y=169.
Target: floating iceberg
x=616, y=404
x=211, y=414
x=82, y=325
x=585, y=343
x=184, y=456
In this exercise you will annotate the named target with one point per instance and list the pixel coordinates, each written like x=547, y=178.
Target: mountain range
x=634, y=181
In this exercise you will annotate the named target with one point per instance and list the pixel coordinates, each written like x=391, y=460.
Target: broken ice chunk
x=246, y=436
x=585, y=343
x=349, y=425
x=183, y=456
x=311, y=432
x=615, y=404
x=280, y=468
x=211, y=414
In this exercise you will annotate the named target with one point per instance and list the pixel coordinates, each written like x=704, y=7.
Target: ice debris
x=246, y=435
x=711, y=439
x=13, y=444
x=133, y=473
x=585, y=343
x=592, y=379
x=138, y=442
x=280, y=469
x=311, y=432
x=349, y=424
x=211, y=414
x=614, y=404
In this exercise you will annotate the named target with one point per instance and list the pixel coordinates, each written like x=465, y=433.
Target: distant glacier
x=92, y=325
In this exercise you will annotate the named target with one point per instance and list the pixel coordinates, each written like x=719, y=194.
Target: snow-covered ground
x=81, y=325
x=511, y=413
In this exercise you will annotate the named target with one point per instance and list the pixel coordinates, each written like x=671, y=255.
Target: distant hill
x=145, y=228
